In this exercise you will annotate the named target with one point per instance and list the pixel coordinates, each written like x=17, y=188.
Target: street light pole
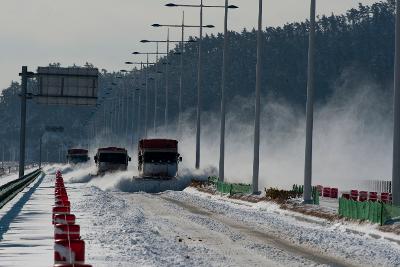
x=199, y=79
x=396, y=134
x=147, y=98
x=256, y=160
x=166, y=86
x=310, y=109
x=223, y=84
x=156, y=92
x=138, y=114
x=40, y=151
x=24, y=86
x=181, y=76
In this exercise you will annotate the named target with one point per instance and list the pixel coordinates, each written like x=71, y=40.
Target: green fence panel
x=241, y=189
x=371, y=211
x=378, y=207
x=390, y=214
x=316, y=197
x=224, y=187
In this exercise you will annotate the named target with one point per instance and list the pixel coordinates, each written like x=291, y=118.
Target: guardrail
x=9, y=190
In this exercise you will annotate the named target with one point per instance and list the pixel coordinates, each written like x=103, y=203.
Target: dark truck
x=158, y=158
x=77, y=155
x=111, y=159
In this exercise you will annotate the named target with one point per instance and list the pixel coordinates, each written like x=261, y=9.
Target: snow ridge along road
x=191, y=228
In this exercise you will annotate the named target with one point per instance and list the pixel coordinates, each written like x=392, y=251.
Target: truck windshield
x=160, y=157
x=113, y=158
x=77, y=159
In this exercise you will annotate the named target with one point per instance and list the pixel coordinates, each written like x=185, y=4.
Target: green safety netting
x=241, y=189
x=224, y=187
x=367, y=210
x=315, y=196
x=228, y=188
x=390, y=214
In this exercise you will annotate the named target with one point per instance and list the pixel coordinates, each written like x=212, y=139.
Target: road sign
x=67, y=86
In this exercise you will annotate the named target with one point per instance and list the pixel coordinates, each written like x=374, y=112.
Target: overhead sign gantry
x=57, y=86
x=67, y=86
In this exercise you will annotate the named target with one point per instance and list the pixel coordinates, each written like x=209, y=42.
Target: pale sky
x=105, y=32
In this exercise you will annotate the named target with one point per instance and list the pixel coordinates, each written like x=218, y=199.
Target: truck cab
x=158, y=158
x=77, y=155
x=111, y=159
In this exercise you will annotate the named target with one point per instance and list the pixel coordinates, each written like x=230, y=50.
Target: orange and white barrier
x=69, y=248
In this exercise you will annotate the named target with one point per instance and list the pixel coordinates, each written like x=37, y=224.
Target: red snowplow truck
x=111, y=159
x=77, y=155
x=158, y=158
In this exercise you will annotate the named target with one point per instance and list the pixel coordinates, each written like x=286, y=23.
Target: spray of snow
x=352, y=138
x=128, y=181
x=352, y=141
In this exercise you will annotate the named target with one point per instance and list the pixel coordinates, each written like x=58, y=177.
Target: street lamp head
x=145, y=41
x=135, y=53
x=171, y=5
x=156, y=25
x=128, y=62
x=232, y=6
x=209, y=26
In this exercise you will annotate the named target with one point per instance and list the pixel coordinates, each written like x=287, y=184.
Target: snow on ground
x=194, y=228
x=26, y=232
x=182, y=228
x=12, y=176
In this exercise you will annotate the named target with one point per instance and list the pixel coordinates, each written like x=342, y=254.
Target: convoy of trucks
x=157, y=158
x=77, y=155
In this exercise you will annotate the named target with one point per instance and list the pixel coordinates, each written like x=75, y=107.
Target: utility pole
x=127, y=113
x=199, y=79
x=181, y=76
x=147, y=97
x=166, y=85
x=40, y=151
x=396, y=134
x=138, y=114
x=310, y=108
x=223, y=109
x=133, y=117
x=24, y=86
x=256, y=160
x=156, y=92
x=2, y=161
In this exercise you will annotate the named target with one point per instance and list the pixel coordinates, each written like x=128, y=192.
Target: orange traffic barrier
x=67, y=231
x=63, y=203
x=64, y=219
x=69, y=251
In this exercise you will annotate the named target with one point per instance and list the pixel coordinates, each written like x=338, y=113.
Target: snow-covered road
x=194, y=229
x=185, y=228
